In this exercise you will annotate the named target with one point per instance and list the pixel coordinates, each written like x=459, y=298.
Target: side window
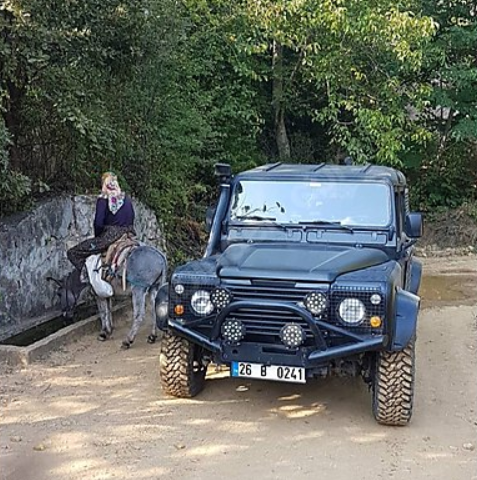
x=400, y=212
x=407, y=203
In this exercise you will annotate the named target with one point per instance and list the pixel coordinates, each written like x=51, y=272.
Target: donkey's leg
x=104, y=309
x=152, y=295
x=109, y=317
x=139, y=310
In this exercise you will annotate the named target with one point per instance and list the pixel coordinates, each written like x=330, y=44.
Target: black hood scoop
x=315, y=263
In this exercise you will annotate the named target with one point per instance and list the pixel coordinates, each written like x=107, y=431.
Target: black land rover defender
x=308, y=271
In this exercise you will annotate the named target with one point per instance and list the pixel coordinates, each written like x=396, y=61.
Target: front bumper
x=310, y=356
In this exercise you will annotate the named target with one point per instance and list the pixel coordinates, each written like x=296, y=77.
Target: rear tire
x=181, y=366
x=393, y=386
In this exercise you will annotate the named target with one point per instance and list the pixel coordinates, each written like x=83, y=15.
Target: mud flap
x=162, y=306
x=407, y=309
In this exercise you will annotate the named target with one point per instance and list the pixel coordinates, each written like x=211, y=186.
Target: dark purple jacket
x=124, y=216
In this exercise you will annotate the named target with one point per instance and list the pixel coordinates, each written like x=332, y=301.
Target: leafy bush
x=445, y=181
x=14, y=187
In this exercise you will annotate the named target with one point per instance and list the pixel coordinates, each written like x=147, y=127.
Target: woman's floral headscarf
x=111, y=191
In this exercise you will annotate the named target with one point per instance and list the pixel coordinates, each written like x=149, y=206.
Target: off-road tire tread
x=178, y=377
x=393, y=386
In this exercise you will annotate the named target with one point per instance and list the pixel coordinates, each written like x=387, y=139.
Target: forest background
x=161, y=90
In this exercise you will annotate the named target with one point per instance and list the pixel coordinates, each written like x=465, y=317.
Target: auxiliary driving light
x=233, y=330
x=179, y=289
x=220, y=298
x=316, y=303
x=292, y=335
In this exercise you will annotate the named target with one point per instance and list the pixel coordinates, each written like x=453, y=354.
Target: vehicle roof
x=324, y=171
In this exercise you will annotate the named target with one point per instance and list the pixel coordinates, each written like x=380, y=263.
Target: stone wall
x=33, y=246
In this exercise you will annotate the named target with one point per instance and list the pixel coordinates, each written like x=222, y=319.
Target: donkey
x=145, y=274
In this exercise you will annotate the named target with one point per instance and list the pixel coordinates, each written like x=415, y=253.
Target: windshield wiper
x=327, y=222
x=259, y=218
x=254, y=217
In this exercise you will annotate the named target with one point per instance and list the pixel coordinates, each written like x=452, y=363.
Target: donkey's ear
x=58, y=282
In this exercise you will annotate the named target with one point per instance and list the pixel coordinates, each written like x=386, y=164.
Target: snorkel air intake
x=223, y=172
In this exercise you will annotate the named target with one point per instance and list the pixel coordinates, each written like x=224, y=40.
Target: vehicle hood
x=315, y=263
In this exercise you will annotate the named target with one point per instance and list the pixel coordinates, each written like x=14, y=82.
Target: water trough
x=52, y=334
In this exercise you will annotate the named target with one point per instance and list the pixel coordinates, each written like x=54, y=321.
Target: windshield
x=295, y=202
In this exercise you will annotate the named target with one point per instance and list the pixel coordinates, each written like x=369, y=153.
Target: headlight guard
x=201, y=303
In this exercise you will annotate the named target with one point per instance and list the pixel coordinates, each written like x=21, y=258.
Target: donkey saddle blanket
x=114, y=260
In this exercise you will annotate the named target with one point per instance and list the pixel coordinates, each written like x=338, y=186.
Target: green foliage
x=451, y=70
x=347, y=64
x=445, y=170
x=14, y=187
x=160, y=90
x=444, y=181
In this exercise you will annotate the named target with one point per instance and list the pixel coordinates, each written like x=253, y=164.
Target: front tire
x=181, y=366
x=393, y=386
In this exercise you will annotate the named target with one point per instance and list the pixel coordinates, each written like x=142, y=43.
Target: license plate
x=268, y=372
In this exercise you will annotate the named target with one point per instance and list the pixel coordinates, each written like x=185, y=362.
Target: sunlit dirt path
x=93, y=411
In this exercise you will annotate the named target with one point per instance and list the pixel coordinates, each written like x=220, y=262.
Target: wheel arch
x=407, y=306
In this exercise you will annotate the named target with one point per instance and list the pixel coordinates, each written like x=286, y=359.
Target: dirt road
x=95, y=412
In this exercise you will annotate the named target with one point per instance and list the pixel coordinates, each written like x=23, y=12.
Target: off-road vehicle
x=308, y=271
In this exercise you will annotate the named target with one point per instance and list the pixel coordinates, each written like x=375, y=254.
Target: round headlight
x=315, y=302
x=179, y=289
x=200, y=302
x=352, y=311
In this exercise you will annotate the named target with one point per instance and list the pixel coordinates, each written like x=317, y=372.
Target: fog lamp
x=233, y=330
x=292, y=335
x=179, y=310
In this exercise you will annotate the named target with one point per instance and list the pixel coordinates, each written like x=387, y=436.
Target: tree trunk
x=12, y=93
x=445, y=133
x=283, y=144
x=11, y=116
x=278, y=103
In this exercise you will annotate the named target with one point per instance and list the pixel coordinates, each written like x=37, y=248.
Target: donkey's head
x=69, y=291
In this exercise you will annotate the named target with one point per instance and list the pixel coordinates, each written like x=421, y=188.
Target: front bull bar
x=323, y=352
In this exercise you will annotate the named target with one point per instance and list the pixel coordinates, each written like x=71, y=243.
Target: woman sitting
x=114, y=217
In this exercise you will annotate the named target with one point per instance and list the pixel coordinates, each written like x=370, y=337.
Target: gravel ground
x=93, y=411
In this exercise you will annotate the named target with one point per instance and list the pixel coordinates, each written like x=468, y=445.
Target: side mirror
x=414, y=225
x=209, y=218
